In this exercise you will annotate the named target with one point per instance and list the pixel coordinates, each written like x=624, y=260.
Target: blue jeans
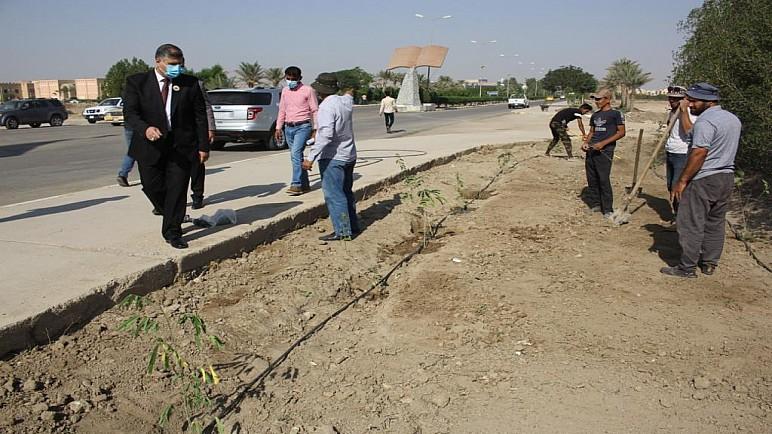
x=675, y=164
x=296, y=138
x=337, y=180
x=128, y=163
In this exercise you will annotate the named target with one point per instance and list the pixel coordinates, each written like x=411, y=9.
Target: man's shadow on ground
x=245, y=191
x=665, y=243
x=75, y=206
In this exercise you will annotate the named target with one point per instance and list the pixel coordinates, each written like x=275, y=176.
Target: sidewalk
x=66, y=259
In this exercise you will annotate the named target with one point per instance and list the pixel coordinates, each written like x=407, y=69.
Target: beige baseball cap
x=602, y=93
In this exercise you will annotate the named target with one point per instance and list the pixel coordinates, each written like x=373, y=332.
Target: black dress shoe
x=177, y=243
x=122, y=181
x=678, y=272
x=157, y=211
x=198, y=203
x=708, y=269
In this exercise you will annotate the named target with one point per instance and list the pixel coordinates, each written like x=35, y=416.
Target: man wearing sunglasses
x=677, y=144
x=705, y=184
x=606, y=127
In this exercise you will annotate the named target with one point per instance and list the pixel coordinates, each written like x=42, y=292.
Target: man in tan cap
x=606, y=127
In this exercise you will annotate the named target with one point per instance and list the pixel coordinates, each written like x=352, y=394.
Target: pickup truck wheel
x=12, y=123
x=56, y=121
x=34, y=124
x=92, y=121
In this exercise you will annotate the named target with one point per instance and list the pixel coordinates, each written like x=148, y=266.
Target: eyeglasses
x=598, y=99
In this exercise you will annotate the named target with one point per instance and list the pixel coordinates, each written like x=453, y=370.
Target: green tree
x=274, y=76
x=250, y=73
x=356, y=78
x=116, y=75
x=569, y=78
x=728, y=44
x=627, y=76
x=214, y=77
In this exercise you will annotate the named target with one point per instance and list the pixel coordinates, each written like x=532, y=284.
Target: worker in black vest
x=559, y=125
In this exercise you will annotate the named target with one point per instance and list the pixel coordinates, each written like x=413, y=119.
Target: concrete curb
x=70, y=316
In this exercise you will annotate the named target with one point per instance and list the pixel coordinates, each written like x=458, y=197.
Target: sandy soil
x=527, y=313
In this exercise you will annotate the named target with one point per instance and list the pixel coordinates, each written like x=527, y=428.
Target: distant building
x=81, y=88
x=651, y=92
x=9, y=91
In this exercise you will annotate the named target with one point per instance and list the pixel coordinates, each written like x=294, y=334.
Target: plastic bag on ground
x=221, y=217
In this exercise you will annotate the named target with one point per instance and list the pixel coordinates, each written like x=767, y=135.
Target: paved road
x=43, y=162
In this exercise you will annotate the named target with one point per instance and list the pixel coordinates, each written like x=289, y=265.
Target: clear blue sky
x=46, y=39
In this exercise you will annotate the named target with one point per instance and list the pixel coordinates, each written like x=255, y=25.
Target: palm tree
x=626, y=76
x=385, y=78
x=250, y=73
x=274, y=76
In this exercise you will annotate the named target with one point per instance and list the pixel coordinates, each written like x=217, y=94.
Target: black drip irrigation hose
x=380, y=283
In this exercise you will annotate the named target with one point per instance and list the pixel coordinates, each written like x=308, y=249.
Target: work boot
x=122, y=181
x=294, y=191
x=677, y=271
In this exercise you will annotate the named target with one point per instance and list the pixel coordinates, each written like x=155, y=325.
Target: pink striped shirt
x=297, y=105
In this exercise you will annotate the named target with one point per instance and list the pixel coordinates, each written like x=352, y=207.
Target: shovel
x=622, y=215
x=629, y=189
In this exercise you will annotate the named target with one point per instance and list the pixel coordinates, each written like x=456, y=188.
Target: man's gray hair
x=170, y=51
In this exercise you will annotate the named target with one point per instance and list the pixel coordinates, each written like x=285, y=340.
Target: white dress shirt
x=160, y=79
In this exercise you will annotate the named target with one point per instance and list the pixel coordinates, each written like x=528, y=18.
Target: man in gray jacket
x=706, y=183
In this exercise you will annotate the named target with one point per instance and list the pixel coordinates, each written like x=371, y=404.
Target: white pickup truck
x=97, y=113
x=518, y=102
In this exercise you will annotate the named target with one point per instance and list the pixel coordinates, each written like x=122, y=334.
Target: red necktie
x=165, y=91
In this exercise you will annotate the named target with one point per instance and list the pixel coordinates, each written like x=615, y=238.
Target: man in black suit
x=166, y=111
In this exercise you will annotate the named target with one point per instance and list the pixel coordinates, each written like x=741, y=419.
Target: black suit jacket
x=143, y=108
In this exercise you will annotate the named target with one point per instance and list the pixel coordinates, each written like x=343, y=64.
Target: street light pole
x=492, y=41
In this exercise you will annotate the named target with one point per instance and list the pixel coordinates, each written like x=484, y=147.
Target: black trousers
x=389, y=119
x=165, y=183
x=597, y=166
x=197, y=176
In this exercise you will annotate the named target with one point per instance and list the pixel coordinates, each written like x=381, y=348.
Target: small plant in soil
x=423, y=199
x=191, y=371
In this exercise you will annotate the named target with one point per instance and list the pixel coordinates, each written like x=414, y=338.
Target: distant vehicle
x=550, y=98
x=32, y=112
x=515, y=101
x=97, y=113
x=245, y=115
x=115, y=117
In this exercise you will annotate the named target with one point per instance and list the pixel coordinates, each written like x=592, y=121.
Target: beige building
x=81, y=88
x=89, y=88
x=9, y=91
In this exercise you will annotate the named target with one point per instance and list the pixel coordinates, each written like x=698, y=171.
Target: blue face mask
x=292, y=84
x=174, y=71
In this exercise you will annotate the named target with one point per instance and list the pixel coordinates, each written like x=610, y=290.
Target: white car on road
x=97, y=113
x=518, y=102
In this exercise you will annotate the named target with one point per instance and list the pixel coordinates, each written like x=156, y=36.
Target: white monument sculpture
x=433, y=56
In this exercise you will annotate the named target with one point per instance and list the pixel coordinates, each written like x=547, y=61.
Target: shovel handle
x=661, y=142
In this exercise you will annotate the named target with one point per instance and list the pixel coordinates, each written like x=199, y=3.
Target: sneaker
x=677, y=271
x=595, y=209
x=294, y=191
x=608, y=215
x=122, y=181
x=708, y=269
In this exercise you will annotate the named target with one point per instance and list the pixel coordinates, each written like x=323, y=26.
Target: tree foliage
x=728, y=45
x=274, y=76
x=356, y=78
x=250, y=74
x=215, y=77
x=116, y=75
x=626, y=76
x=569, y=78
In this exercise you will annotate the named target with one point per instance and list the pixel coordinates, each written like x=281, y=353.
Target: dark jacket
x=143, y=108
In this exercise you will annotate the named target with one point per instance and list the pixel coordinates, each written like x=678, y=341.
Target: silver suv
x=245, y=115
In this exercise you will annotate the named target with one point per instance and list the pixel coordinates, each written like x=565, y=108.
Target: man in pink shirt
x=297, y=123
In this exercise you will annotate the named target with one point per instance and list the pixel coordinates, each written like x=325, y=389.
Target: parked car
x=245, y=115
x=97, y=113
x=518, y=102
x=115, y=116
x=32, y=112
